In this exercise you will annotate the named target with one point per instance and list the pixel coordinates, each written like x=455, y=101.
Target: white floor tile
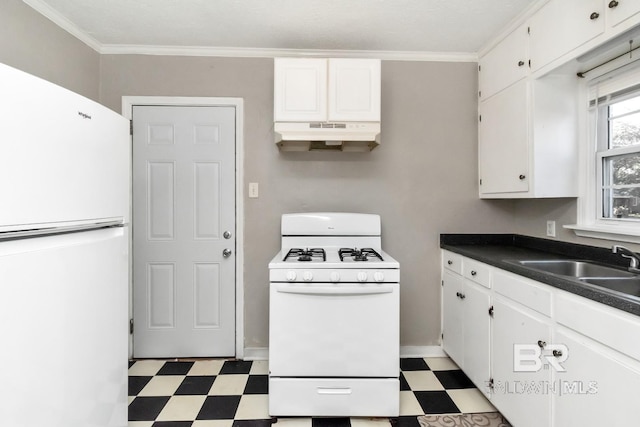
x=206, y=367
x=260, y=367
x=146, y=368
x=470, y=400
x=162, y=385
x=422, y=380
x=440, y=363
x=181, y=408
x=294, y=422
x=253, y=407
x=370, y=422
x=229, y=385
x=409, y=404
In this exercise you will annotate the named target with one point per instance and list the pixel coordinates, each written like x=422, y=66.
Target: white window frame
x=590, y=221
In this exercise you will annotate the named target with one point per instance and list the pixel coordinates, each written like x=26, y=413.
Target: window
x=609, y=203
x=618, y=155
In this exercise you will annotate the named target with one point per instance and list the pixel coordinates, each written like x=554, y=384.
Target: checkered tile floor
x=231, y=393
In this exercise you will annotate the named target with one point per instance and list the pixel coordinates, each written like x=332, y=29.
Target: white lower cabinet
x=518, y=375
x=466, y=324
x=554, y=359
x=598, y=387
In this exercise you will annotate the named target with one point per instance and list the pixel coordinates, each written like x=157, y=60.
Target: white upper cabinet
x=619, y=12
x=354, y=90
x=563, y=25
x=300, y=90
x=321, y=90
x=505, y=64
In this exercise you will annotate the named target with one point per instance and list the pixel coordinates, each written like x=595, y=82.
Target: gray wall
x=32, y=43
x=421, y=179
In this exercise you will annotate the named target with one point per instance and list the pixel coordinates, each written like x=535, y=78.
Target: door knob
x=226, y=234
x=226, y=253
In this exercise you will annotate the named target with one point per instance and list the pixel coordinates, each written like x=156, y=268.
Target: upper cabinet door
x=619, y=11
x=563, y=25
x=300, y=90
x=505, y=64
x=354, y=90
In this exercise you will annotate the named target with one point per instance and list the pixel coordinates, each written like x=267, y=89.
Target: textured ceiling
x=440, y=26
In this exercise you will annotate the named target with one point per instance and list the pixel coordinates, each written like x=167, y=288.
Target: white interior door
x=184, y=231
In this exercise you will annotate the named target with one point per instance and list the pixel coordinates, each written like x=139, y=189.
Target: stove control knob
x=378, y=276
x=334, y=277
x=291, y=276
x=362, y=276
x=307, y=276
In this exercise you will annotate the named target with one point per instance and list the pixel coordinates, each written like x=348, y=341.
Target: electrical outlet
x=253, y=190
x=551, y=228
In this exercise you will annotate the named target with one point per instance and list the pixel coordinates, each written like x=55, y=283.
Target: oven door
x=334, y=330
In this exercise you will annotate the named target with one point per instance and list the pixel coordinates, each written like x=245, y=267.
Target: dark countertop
x=497, y=249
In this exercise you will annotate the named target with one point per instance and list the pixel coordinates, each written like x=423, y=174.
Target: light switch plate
x=551, y=228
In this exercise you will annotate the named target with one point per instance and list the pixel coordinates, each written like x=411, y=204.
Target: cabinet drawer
x=452, y=261
x=477, y=271
x=617, y=329
x=524, y=291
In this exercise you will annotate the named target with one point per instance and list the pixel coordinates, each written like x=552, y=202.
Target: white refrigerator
x=64, y=257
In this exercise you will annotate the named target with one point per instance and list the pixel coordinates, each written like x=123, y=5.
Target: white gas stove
x=334, y=319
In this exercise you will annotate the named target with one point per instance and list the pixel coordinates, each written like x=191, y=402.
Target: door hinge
x=529, y=30
x=490, y=384
x=479, y=68
x=480, y=118
x=442, y=283
x=491, y=311
x=529, y=63
x=442, y=335
x=130, y=326
x=480, y=181
x=479, y=94
x=131, y=127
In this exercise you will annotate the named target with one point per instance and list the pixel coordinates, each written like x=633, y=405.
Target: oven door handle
x=334, y=290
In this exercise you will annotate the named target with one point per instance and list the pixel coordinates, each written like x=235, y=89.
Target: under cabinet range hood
x=350, y=136
x=330, y=104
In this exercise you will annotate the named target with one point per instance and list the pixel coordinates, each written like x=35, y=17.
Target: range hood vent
x=316, y=136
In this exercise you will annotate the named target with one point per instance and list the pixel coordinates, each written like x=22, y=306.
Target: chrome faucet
x=634, y=260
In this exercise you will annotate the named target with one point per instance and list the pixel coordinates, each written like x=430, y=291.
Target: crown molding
x=62, y=22
x=116, y=49
x=122, y=49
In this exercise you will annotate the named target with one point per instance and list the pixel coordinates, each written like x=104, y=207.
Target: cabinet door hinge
x=442, y=283
x=479, y=94
x=529, y=30
x=480, y=118
x=490, y=383
x=480, y=181
x=491, y=311
x=130, y=326
x=479, y=68
x=442, y=335
x=529, y=63
x=131, y=127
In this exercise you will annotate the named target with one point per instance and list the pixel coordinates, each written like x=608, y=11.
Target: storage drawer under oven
x=334, y=330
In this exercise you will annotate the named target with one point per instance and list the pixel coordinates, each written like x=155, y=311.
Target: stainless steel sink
x=625, y=285
x=577, y=269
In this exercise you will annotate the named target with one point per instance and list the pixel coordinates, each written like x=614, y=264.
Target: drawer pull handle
x=521, y=177
x=449, y=262
x=594, y=16
x=473, y=272
x=326, y=390
x=542, y=344
x=557, y=353
x=612, y=4
x=520, y=63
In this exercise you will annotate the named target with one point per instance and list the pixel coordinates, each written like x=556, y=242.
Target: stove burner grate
x=358, y=255
x=306, y=255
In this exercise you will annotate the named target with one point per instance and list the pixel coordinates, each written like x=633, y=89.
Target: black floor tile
x=197, y=385
x=236, y=367
x=136, y=384
x=407, y=421
x=257, y=384
x=175, y=368
x=330, y=422
x=219, y=408
x=413, y=364
x=404, y=385
x=453, y=379
x=436, y=402
x=146, y=408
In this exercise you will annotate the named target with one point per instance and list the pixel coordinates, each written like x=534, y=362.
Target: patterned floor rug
x=488, y=419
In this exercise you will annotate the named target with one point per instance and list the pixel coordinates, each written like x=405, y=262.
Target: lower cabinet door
x=520, y=378
x=477, y=335
x=598, y=387
x=452, y=334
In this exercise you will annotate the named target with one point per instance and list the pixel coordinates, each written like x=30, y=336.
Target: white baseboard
x=262, y=353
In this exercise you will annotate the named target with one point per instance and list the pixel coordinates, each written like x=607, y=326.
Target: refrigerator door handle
x=60, y=229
